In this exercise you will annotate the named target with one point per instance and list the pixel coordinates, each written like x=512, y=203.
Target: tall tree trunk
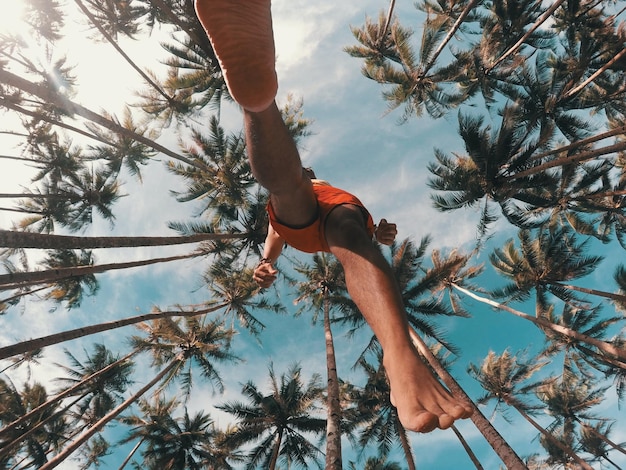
x=601, y=345
x=542, y=19
x=599, y=293
x=602, y=437
x=457, y=24
x=131, y=453
x=38, y=343
x=17, y=239
x=70, y=107
x=121, y=52
x=493, y=437
x=83, y=438
x=404, y=442
x=21, y=294
x=276, y=450
x=25, y=279
x=579, y=143
x=333, y=423
x=569, y=160
x=467, y=448
x=596, y=74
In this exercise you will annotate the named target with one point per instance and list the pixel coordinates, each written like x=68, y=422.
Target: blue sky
x=355, y=146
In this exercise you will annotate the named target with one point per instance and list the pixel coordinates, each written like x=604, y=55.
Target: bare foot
x=421, y=401
x=242, y=37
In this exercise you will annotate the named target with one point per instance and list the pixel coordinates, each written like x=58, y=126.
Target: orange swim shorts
x=312, y=238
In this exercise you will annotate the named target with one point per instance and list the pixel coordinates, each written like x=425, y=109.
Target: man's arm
x=265, y=274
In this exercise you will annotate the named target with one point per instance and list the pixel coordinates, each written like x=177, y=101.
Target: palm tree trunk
x=131, y=453
x=392, y=6
x=70, y=107
x=22, y=419
x=22, y=294
x=17, y=239
x=25, y=279
x=601, y=345
x=467, y=448
x=116, y=46
x=542, y=19
x=38, y=343
x=596, y=74
x=602, y=437
x=569, y=160
x=55, y=122
x=61, y=456
x=276, y=450
x=457, y=24
x=568, y=450
x=333, y=423
x=579, y=143
x=404, y=442
x=599, y=293
x=493, y=437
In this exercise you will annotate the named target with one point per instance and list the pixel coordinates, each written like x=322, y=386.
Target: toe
x=423, y=422
x=445, y=421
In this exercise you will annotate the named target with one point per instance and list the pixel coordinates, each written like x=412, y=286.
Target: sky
x=357, y=145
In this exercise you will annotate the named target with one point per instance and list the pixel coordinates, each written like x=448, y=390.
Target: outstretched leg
x=422, y=403
x=241, y=34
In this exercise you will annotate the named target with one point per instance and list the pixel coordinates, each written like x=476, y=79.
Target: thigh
x=298, y=207
x=346, y=226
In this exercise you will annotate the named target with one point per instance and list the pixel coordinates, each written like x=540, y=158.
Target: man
x=301, y=214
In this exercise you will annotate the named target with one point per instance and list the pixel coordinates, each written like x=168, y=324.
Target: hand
x=264, y=274
x=386, y=232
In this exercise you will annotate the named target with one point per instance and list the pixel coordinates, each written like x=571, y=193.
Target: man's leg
x=241, y=35
x=422, y=403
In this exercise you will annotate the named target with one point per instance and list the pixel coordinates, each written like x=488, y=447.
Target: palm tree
x=48, y=438
x=176, y=348
x=99, y=396
x=614, y=351
x=121, y=150
x=481, y=175
x=569, y=399
x=542, y=261
x=504, y=378
x=201, y=342
x=95, y=428
x=278, y=420
x=323, y=287
x=168, y=442
x=225, y=177
x=52, y=402
x=377, y=463
x=592, y=440
x=71, y=289
x=232, y=286
x=577, y=354
x=389, y=60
